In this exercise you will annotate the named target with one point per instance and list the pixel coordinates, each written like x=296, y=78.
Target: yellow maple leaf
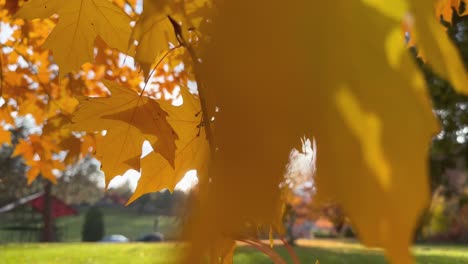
x=5, y=136
x=73, y=146
x=54, y=126
x=153, y=31
x=61, y=99
x=359, y=94
x=88, y=143
x=37, y=152
x=80, y=22
x=192, y=149
x=129, y=119
x=64, y=138
x=43, y=168
x=33, y=105
x=5, y=114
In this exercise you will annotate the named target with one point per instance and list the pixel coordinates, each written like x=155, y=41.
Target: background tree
x=93, y=226
x=80, y=183
x=13, y=183
x=448, y=158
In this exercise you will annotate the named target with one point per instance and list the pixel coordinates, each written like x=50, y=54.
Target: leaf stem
x=156, y=66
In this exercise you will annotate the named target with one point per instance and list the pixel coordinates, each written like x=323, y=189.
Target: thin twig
x=291, y=251
x=201, y=88
x=273, y=255
x=156, y=66
x=206, y=119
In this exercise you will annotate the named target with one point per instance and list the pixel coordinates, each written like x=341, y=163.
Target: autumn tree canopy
x=228, y=88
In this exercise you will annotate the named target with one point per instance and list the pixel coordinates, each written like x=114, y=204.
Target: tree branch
x=201, y=88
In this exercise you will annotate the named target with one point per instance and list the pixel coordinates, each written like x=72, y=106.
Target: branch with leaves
x=264, y=75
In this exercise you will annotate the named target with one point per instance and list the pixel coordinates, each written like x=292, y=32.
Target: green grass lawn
x=326, y=251
x=127, y=222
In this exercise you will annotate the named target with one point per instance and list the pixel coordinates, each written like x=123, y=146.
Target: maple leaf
x=16, y=83
x=38, y=151
x=80, y=22
x=88, y=143
x=54, y=126
x=33, y=105
x=73, y=145
x=154, y=32
x=129, y=119
x=5, y=136
x=192, y=149
x=43, y=168
x=5, y=115
x=364, y=101
x=63, y=100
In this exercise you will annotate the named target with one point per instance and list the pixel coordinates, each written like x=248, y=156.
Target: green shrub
x=93, y=227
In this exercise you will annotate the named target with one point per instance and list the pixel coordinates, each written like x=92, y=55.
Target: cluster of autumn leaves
x=55, y=66
x=272, y=73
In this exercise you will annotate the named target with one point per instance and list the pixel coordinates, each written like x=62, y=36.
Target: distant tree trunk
x=289, y=218
x=156, y=224
x=48, y=220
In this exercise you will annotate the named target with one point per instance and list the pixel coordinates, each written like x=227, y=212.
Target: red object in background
x=59, y=208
